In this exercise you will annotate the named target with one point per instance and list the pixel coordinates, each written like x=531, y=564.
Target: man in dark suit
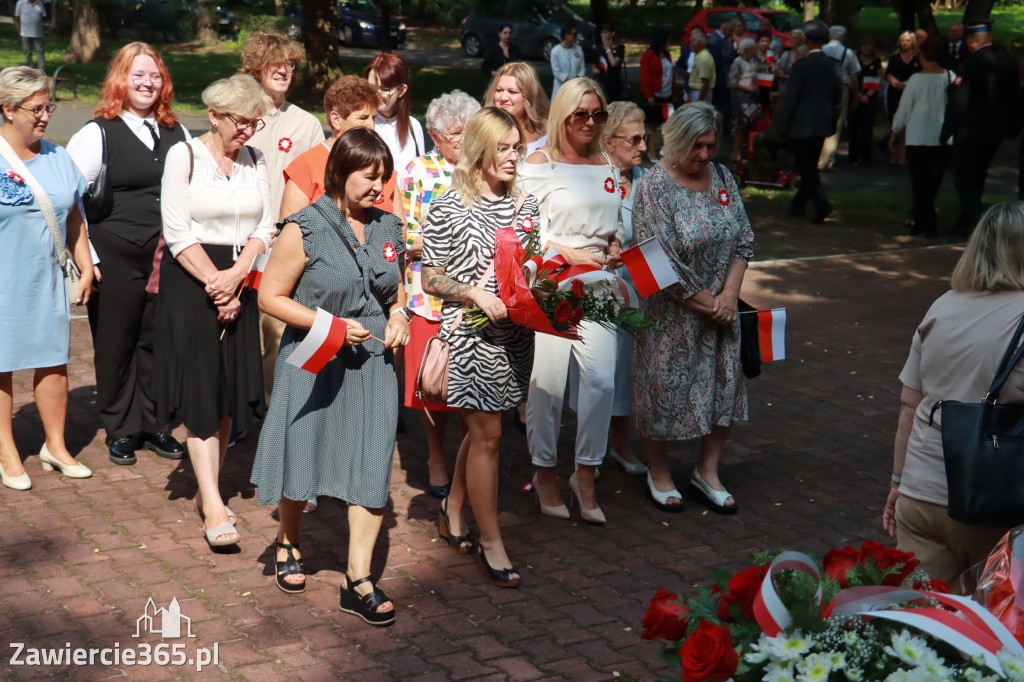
x=808, y=114
x=980, y=114
x=723, y=53
x=956, y=48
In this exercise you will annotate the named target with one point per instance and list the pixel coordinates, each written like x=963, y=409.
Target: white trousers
x=595, y=356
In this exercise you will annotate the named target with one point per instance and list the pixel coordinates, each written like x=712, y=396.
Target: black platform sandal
x=289, y=566
x=366, y=606
x=498, y=577
x=460, y=544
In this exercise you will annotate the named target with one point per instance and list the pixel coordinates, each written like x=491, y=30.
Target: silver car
x=536, y=27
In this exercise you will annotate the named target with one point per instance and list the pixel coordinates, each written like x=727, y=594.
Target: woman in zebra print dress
x=489, y=371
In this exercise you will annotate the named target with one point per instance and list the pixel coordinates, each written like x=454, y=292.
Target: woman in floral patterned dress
x=687, y=379
x=419, y=183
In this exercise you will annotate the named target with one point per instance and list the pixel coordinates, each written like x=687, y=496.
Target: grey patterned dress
x=333, y=433
x=489, y=370
x=687, y=377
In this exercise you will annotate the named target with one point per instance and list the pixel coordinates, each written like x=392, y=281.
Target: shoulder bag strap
x=103, y=143
x=1010, y=359
x=341, y=234
x=42, y=198
x=191, y=160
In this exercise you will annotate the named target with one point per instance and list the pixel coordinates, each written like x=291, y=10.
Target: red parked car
x=710, y=19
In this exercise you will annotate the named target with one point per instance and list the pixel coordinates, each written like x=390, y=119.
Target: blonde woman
x=579, y=191
x=517, y=89
x=902, y=65
x=489, y=371
x=215, y=205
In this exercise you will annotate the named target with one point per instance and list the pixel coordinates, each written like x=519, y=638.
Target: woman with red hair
x=403, y=134
x=121, y=154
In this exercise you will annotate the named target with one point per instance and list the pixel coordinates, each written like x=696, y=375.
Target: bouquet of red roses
x=548, y=295
x=872, y=616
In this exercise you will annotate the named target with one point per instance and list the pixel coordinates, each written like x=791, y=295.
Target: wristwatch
x=405, y=312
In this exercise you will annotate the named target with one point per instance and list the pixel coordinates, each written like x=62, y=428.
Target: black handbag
x=99, y=201
x=750, y=341
x=983, y=445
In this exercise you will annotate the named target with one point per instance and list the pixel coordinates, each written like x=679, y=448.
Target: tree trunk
x=925, y=18
x=321, y=33
x=808, y=10
x=85, y=34
x=905, y=10
x=60, y=19
x=385, y=24
x=978, y=10
x=206, y=22
x=600, y=15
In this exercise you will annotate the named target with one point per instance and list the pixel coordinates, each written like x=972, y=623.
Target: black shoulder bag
x=99, y=201
x=983, y=445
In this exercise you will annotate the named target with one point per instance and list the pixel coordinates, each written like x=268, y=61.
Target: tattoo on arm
x=441, y=285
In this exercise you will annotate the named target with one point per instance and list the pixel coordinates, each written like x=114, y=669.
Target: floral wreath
x=284, y=144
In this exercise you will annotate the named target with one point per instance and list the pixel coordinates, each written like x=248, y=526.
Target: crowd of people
x=389, y=239
x=393, y=242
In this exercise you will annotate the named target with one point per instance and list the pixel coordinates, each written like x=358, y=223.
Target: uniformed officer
x=979, y=116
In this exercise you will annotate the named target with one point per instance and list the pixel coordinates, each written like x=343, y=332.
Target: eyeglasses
x=37, y=112
x=599, y=117
x=453, y=136
x=256, y=125
x=140, y=78
x=504, y=149
x=288, y=65
x=386, y=92
x=633, y=141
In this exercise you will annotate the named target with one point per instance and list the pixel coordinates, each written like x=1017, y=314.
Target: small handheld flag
x=649, y=266
x=871, y=82
x=256, y=270
x=323, y=341
x=771, y=332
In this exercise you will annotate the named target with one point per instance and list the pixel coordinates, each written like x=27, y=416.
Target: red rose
x=742, y=589
x=577, y=315
x=665, y=619
x=563, y=311
x=838, y=561
x=887, y=557
x=577, y=288
x=708, y=654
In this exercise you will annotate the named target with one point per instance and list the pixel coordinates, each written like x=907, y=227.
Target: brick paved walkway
x=79, y=559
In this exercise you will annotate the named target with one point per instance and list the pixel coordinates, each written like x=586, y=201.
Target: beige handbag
x=432, y=377
x=72, y=275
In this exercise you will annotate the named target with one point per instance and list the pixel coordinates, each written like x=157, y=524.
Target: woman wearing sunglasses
x=215, y=204
x=580, y=196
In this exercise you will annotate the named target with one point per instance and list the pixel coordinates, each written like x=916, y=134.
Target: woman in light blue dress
x=34, y=308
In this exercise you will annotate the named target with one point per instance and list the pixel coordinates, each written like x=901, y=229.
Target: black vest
x=135, y=172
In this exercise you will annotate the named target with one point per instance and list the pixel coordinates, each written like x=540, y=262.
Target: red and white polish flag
x=649, y=266
x=871, y=82
x=259, y=265
x=324, y=340
x=765, y=80
x=771, y=333
x=667, y=110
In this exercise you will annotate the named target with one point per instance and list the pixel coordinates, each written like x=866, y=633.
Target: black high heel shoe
x=365, y=606
x=438, y=491
x=498, y=577
x=460, y=544
x=290, y=566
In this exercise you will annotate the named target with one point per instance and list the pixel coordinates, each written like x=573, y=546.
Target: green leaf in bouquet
x=722, y=578
x=670, y=654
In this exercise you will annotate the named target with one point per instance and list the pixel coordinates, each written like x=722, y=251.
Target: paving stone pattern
x=80, y=558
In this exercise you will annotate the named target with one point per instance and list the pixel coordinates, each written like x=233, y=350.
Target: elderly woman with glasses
x=687, y=380
x=580, y=194
x=34, y=311
x=217, y=218
x=422, y=181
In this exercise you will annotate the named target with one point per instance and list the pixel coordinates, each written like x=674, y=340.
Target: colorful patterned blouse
x=424, y=179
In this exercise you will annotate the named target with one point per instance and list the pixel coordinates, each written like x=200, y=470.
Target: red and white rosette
x=609, y=185
x=723, y=197
x=960, y=622
x=14, y=176
x=389, y=252
x=379, y=200
x=284, y=144
x=527, y=224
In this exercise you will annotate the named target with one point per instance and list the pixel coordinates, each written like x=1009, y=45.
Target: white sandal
x=714, y=499
x=632, y=468
x=661, y=499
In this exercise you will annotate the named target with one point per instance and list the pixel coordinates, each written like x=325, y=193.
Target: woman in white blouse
x=580, y=197
x=215, y=204
x=403, y=134
x=921, y=112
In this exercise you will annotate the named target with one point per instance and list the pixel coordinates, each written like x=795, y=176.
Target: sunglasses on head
x=599, y=117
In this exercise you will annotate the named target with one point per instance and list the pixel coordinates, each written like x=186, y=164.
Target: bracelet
x=405, y=313
x=896, y=479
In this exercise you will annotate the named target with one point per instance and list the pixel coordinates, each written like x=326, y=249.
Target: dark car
x=536, y=27
x=710, y=19
x=360, y=23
